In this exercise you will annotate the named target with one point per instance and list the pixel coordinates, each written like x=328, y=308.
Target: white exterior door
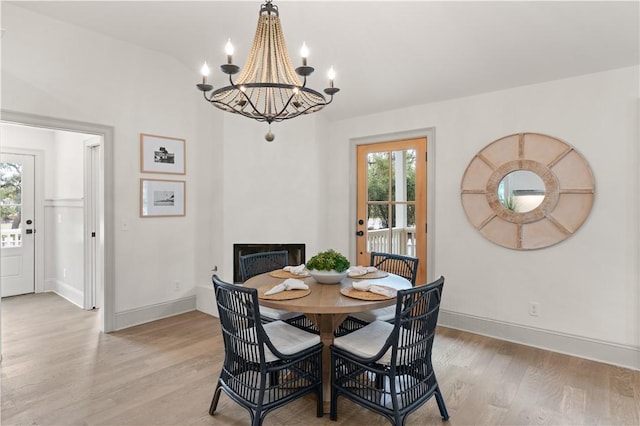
x=17, y=244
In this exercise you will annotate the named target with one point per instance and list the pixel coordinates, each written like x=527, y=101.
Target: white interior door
x=17, y=243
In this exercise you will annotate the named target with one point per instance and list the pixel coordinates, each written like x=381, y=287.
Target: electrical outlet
x=534, y=309
x=176, y=285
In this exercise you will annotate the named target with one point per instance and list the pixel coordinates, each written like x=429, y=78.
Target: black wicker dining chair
x=258, y=263
x=265, y=366
x=387, y=367
x=404, y=266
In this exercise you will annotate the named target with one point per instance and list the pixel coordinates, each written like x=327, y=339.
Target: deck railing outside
x=398, y=241
x=11, y=238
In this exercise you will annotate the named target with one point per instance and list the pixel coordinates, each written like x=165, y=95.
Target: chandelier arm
x=245, y=97
x=248, y=99
x=229, y=108
x=284, y=108
x=321, y=105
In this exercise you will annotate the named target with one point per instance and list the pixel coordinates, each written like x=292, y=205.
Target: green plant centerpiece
x=328, y=267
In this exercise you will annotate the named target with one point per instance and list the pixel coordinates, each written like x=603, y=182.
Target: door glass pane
x=378, y=227
x=410, y=231
x=11, y=204
x=411, y=216
x=410, y=173
x=404, y=175
x=378, y=176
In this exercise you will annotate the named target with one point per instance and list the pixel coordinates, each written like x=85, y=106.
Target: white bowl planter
x=327, y=277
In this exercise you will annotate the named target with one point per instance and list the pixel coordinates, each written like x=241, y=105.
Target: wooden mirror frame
x=569, y=191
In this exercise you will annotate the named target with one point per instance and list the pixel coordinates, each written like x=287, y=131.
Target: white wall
x=270, y=192
x=64, y=218
x=69, y=161
x=587, y=286
x=270, y=189
x=57, y=70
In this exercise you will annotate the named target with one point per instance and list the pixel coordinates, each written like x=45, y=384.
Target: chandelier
x=268, y=88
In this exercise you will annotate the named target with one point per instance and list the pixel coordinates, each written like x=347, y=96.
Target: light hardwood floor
x=57, y=369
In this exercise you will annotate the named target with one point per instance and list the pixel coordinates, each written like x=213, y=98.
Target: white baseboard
x=597, y=350
x=150, y=313
x=206, y=300
x=65, y=291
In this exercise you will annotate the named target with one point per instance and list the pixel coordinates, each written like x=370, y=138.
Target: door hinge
x=426, y=228
x=426, y=157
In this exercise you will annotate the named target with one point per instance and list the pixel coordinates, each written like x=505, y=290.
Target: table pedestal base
x=327, y=324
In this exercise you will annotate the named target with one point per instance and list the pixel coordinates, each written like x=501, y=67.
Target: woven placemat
x=371, y=275
x=283, y=295
x=281, y=273
x=364, y=295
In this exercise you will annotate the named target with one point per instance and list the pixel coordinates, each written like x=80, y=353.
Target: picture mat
x=162, y=198
x=152, y=144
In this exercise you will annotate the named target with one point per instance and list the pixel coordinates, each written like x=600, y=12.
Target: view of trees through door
x=391, y=206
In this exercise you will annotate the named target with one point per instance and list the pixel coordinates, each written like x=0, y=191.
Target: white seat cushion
x=383, y=314
x=367, y=342
x=287, y=339
x=277, y=314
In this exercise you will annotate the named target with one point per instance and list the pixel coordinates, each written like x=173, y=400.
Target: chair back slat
x=259, y=263
x=405, y=266
x=415, y=324
x=237, y=308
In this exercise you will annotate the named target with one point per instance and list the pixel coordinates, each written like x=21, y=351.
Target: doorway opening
x=74, y=213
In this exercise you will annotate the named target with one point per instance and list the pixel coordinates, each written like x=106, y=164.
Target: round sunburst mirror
x=527, y=191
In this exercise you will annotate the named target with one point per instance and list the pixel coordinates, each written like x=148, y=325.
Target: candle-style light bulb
x=332, y=75
x=205, y=72
x=228, y=48
x=304, y=52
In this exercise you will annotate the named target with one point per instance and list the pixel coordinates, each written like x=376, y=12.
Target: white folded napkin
x=356, y=271
x=297, y=270
x=288, y=284
x=367, y=286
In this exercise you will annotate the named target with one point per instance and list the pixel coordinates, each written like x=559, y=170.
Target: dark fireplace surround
x=296, y=254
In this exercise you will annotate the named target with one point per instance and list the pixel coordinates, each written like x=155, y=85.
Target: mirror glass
x=521, y=191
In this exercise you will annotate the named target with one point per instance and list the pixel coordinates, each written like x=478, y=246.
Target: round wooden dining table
x=326, y=307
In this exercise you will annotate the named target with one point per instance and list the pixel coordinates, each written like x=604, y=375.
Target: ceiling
x=387, y=54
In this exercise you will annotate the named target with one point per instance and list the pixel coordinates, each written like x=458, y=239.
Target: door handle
x=360, y=233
